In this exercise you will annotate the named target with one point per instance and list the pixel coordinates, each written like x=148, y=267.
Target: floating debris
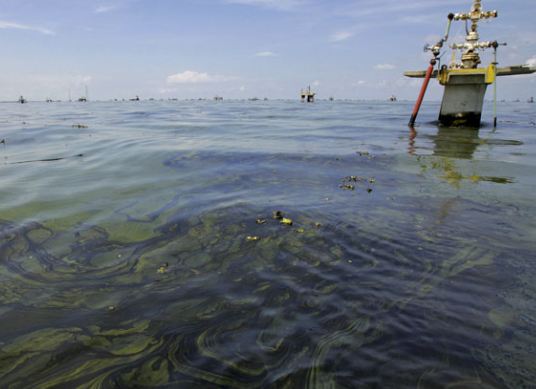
x=300, y=230
x=350, y=182
x=318, y=225
x=253, y=238
x=111, y=308
x=277, y=215
x=79, y=126
x=47, y=159
x=354, y=179
x=261, y=221
x=163, y=268
x=286, y=221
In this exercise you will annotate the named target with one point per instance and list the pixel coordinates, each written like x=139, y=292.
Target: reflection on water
x=134, y=265
x=457, y=143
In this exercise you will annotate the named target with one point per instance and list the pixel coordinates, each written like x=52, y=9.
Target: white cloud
x=193, y=77
x=266, y=54
x=6, y=25
x=105, y=8
x=341, y=36
x=384, y=66
x=284, y=5
x=532, y=61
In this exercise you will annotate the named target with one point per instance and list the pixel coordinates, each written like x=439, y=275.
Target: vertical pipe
x=422, y=93
x=495, y=85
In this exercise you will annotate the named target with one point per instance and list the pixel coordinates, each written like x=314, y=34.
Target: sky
x=355, y=49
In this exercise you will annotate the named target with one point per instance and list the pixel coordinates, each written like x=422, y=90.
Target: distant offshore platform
x=308, y=95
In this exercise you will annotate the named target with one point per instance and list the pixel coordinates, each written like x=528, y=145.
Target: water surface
x=138, y=247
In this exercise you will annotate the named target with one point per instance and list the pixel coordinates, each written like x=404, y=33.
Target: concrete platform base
x=463, y=99
x=464, y=119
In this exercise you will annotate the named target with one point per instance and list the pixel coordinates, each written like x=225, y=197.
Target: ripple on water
x=133, y=267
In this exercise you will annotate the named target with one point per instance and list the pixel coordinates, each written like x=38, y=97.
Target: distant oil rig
x=307, y=95
x=465, y=83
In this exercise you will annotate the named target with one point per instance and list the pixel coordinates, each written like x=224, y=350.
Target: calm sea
x=265, y=244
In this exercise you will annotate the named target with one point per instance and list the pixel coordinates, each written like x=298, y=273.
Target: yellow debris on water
x=163, y=268
x=286, y=221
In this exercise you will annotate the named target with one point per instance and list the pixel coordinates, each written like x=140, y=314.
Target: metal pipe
x=449, y=24
x=495, y=45
x=422, y=93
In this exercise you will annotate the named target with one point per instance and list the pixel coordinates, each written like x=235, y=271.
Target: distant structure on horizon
x=531, y=100
x=85, y=98
x=308, y=95
x=393, y=98
x=22, y=100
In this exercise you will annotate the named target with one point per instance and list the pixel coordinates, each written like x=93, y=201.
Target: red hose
x=423, y=92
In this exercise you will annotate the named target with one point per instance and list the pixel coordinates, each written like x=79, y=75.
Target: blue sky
x=241, y=48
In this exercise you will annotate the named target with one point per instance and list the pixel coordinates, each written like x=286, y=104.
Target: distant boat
x=392, y=98
x=82, y=100
x=254, y=99
x=137, y=98
x=218, y=98
x=22, y=100
x=531, y=100
x=49, y=100
x=331, y=98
